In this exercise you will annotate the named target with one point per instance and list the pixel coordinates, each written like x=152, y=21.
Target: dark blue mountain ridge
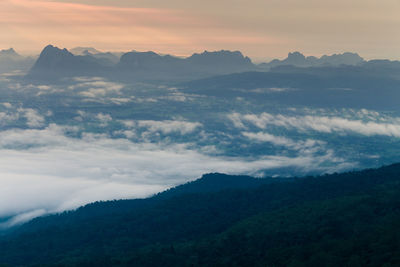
x=373, y=84
x=223, y=57
x=147, y=61
x=150, y=66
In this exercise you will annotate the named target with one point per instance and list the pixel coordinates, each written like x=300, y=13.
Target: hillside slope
x=210, y=226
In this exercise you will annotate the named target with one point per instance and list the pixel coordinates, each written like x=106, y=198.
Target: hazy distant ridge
x=54, y=62
x=299, y=60
x=10, y=60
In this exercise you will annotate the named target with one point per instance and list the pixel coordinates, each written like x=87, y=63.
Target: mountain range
x=150, y=66
x=373, y=84
x=54, y=62
x=299, y=60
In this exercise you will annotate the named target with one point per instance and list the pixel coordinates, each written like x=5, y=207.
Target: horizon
x=257, y=29
x=256, y=60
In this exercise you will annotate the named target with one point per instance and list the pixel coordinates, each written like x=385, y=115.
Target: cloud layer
x=59, y=156
x=370, y=125
x=44, y=170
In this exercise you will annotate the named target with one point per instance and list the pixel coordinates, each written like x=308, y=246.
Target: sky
x=261, y=29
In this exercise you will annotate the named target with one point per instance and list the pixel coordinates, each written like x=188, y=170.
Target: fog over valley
x=83, y=127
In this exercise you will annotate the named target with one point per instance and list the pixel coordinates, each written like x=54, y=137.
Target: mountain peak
x=51, y=50
x=295, y=55
x=222, y=57
x=52, y=56
x=220, y=53
x=346, y=58
x=55, y=60
x=82, y=51
x=143, y=60
x=298, y=59
x=9, y=52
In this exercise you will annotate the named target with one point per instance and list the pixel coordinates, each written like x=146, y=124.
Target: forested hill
x=348, y=219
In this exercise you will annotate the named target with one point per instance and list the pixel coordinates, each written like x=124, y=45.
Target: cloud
x=169, y=126
x=96, y=87
x=266, y=137
x=104, y=119
x=33, y=118
x=308, y=145
x=7, y=117
x=165, y=127
x=121, y=100
x=370, y=125
x=266, y=90
x=52, y=135
x=7, y=105
x=236, y=118
x=177, y=96
x=29, y=23
x=21, y=218
x=45, y=170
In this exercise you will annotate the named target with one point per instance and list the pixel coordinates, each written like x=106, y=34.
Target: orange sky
x=259, y=28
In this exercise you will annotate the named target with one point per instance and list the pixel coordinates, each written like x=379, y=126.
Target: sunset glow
x=261, y=29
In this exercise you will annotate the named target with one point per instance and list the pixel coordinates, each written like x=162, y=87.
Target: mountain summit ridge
x=139, y=65
x=300, y=60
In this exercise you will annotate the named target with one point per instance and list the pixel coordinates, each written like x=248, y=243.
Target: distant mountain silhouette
x=106, y=58
x=82, y=51
x=149, y=66
x=138, y=65
x=299, y=60
x=222, y=60
x=10, y=60
x=54, y=62
x=149, y=61
x=373, y=85
x=10, y=53
x=383, y=68
x=152, y=65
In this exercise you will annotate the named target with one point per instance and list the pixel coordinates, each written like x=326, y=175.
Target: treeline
x=349, y=219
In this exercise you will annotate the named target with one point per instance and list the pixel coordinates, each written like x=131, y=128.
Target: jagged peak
x=219, y=52
x=50, y=49
x=296, y=55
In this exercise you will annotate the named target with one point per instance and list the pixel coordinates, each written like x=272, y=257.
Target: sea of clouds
x=45, y=170
x=47, y=166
